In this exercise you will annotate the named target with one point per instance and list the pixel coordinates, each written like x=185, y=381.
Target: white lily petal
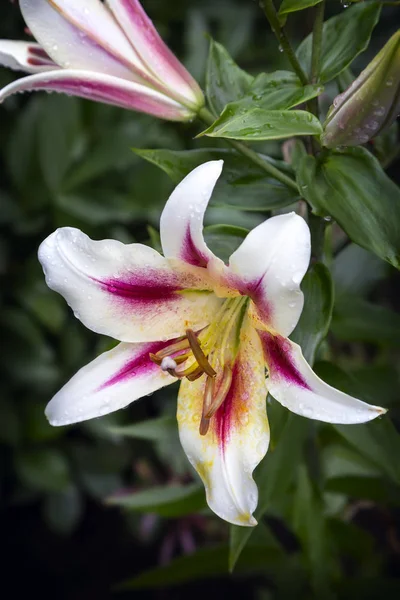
x=25, y=56
x=101, y=88
x=181, y=224
x=269, y=267
x=155, y=54
x=110, y=382
x=295, y=385
x=238, y=436
x=81, y=35
x=129, y=292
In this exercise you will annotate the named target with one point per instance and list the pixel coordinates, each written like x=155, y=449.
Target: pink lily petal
x=156, y=55
x=25, y=56
x=238, y=436
x=295, y=385
x=181, y=224
x=82, y=35
x=269, y=266
x=101, y=88
x=129, y=292
x=110, y=382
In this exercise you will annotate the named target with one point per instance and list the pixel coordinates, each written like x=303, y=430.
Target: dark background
x=68, y=162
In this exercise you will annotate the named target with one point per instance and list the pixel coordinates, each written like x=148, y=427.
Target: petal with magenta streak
x=101, y=88
x=181, y=224
x=238, y=435
x=81, y=35
x=269, y=266
x=25, y=56
x=156, y=55
x=110, y=382
x=129, y=292
x=294, y=384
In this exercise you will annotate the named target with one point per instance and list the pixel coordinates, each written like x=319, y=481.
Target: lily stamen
x=208, y=394
x=182, y=344
x=199, y=354
x=222, y=392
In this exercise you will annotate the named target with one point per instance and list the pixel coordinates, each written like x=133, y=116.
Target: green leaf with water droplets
x=343, y=38
x=258, y=124
x=225, y=81
x=280, y=90
x=352, y=187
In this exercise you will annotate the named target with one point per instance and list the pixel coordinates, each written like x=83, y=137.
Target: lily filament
x=211, y=352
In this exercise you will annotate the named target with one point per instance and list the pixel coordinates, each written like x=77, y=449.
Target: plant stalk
x=283, y=40
x=317, y=224
x=317, y=42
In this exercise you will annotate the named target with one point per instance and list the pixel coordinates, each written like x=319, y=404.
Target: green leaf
x=315, y=319
x=205, y=563
x=344, y=37
x=355, y=319
x=152, y=429
x=258, y=124
x=44, y=470
x=309, y=524
x=21, y=155
x=273, y=477
x=167, y=501
x=96, y=207
x=378, y=440
x=280, y=90
x=225, y=81
x=290, y=6
x=223, y=240
x=58, y=129
x=352, y=187
x=374, y=489
x=47, y=307
x=356, y=271
x=242, y=184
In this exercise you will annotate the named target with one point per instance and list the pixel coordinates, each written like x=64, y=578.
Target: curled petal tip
x=245, y=520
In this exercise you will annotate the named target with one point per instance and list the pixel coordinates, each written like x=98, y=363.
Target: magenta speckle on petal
x=278, y=356
x=138, y=290
x=190, y=252
x=225, y=415
x=139, y=365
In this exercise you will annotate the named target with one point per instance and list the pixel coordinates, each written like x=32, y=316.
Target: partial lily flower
x=188, y=316
x=108, y=52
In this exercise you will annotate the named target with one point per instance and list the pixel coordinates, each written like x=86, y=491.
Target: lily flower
x=188, y=316
x=107, y=52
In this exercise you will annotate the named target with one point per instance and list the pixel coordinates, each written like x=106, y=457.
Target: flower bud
x=370, y=104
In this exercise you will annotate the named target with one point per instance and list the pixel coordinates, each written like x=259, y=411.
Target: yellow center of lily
x=210, y=352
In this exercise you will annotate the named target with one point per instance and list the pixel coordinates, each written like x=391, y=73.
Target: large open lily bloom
x=107, y=52
x=187, y=315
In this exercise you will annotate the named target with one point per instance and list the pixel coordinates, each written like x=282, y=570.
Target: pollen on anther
x=168, y=363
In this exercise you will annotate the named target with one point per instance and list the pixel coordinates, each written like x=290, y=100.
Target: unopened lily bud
x=370, y=104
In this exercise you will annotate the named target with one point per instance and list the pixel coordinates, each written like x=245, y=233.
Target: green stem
x=317, y=227
x=317, y=41
x=280, y=34
x=317, y=224
x=205, y=115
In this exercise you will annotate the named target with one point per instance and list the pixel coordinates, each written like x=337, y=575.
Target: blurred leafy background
x=330, y=495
